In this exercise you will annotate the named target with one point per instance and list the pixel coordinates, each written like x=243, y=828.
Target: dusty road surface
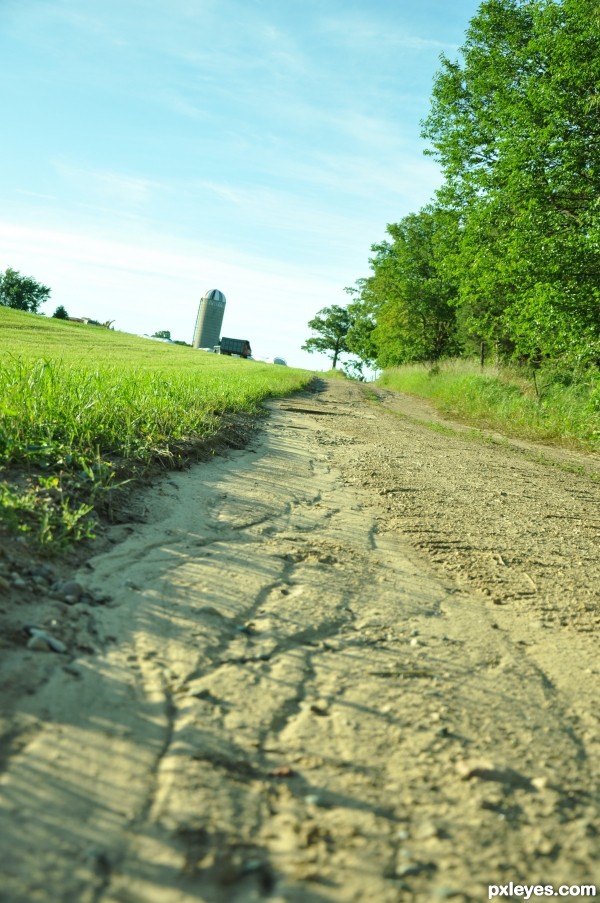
x=355, y=662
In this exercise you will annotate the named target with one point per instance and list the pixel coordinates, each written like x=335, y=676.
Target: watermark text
x=527, y=891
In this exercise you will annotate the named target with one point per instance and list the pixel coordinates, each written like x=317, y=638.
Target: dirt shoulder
x=357, y=661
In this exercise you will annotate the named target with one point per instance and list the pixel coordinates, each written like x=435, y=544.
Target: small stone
x=487, y=771
x=18, y=582
x=56, y=645
x=71, y=590
x=283, y=771
x=547, y=847
x=468, y=769
x=320, y=707
x=426, y=831
x=101, y=599
x=247, y=629
x=446, y=892
x=404, y=871
x=42, y=570
x=39, y=643
x=4, y=583
x=72, y=670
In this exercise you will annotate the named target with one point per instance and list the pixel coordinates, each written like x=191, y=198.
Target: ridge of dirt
x=357, y=661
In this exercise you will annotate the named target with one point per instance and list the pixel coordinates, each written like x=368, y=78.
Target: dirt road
x=356, y=662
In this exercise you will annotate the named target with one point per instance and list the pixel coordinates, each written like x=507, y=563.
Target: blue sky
x=153, y=149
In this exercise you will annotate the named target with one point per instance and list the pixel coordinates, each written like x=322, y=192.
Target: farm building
x=209, y=319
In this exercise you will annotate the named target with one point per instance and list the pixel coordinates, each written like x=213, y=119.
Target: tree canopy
x=22, y=292
x=508, y=251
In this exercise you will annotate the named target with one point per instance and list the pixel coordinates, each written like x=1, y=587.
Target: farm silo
x=210, y=319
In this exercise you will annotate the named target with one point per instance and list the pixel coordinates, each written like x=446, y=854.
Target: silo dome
x=213, y=294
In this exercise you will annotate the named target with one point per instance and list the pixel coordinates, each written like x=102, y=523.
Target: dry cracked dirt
x=356, y=661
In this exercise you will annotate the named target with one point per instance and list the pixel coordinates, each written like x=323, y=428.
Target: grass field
x=554, y=408
x=83, y=408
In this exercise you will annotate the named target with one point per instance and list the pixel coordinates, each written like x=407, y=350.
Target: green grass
x=83, y=409
x=334, y=374
x=560, y=410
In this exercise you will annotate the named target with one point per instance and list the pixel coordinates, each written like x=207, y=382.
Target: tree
x=405, y=311
x=22, y=292
x=60, y=313
x=160, y=334
x=362, y=310
x=515, y=126
x=332, y=324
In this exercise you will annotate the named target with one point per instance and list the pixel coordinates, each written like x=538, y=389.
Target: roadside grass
x=334, y=373
x=555, y=408
x=84, y=410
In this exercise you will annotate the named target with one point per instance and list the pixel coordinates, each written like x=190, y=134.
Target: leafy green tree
x=22, y=292
x=60, y=313
x=514, y=125
x=405, y=310
x=362, y=310
x=331, y=325
x=162, y=334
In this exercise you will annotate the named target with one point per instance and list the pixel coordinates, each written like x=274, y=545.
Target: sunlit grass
x=550, y=409
x=334, y=373
x=82, y=408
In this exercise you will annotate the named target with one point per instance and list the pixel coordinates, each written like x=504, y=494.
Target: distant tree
x=60, y=313
x=22, y=292
x=405, y=311
x=332, y=325
x=162, y=334
x=363, y=311
x=354, y=370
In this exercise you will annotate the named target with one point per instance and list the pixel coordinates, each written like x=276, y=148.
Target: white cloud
x=365, y=34
x=87, y=182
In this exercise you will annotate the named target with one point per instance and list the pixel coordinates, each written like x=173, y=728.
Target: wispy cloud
x=86, y=23
x=364, y=33
x=38, y=195
x=88, y=183
x=178, y=103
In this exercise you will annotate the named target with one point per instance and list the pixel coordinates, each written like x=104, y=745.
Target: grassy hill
x=83, y=408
